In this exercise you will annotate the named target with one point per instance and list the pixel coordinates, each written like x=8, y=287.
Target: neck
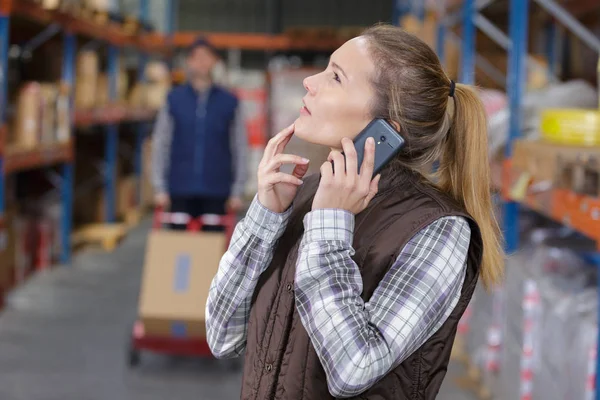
x=201, y=84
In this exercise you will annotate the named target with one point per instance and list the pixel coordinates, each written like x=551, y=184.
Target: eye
x=336, y=77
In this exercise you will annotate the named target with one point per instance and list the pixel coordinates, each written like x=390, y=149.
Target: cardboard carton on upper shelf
x=49, y=97
x=179, y=268
x=27, y=123
x=102, y=91
x=86, y=81
x=543, y=161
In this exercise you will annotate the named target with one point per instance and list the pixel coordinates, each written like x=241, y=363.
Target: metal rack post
x=68, y=77
x=440, y=38
x=112, y=141
x=517, y=73
x=141, y=127
x=401, y=8
x=4, y=45
x=467, y=68
x=551, y=34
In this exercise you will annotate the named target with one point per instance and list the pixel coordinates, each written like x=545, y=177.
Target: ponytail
x=464, y=174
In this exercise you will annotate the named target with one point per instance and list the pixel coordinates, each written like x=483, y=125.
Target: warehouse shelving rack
x=109, y=117
x=578, y=212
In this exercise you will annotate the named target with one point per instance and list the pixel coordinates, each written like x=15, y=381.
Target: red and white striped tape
x=531, y=303
x=183, y=218
x=494, y=344
x=494, y=334
x=590, y=383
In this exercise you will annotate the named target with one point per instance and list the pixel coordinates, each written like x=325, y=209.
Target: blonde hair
x=412, y=90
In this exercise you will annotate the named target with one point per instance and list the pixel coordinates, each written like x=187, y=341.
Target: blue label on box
x=178, y=329
x=183, y=266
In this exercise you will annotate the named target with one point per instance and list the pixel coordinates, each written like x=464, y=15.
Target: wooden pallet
x=108, y=236
x=133, y=217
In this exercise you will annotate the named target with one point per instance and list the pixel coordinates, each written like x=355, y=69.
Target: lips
x=304, y=109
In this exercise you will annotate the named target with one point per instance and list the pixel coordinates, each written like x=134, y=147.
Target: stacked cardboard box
x=86, y=80
x=42, y=115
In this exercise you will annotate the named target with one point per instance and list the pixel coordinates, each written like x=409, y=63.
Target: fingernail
x=371, y=140
x=305, y=160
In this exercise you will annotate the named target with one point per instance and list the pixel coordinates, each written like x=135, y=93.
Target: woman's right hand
x=276, y=189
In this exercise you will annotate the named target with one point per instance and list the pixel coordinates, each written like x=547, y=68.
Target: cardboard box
x=27, y=124
x=86, y=81
x=179, y=268
x=126, y=195
x=542, y=159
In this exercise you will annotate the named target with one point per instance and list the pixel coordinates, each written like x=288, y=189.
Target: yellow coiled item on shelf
x=577, y=127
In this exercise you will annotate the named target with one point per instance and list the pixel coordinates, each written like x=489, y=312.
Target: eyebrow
x=336, y=66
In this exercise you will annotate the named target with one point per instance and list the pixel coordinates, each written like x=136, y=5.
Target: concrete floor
x=64, y=336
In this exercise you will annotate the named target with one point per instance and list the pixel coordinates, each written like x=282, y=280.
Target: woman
x=350, y=287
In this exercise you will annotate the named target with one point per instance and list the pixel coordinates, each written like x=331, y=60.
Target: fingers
x=327, y=172
x=300, y=170
x=274, y=144
x=281, y=159
x=338, y=163
x=281, y=177
x=366, y=169
x=351, y=157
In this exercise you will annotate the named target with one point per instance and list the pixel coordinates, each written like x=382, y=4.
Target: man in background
x=200, y=144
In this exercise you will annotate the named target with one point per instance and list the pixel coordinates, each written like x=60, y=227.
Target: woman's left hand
x=345, y=188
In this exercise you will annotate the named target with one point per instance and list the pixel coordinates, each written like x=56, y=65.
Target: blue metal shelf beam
x=68, y=77
x=517, y=74
x=467, y=75
x=141, y=126
x=111, y=141
x=4, y=43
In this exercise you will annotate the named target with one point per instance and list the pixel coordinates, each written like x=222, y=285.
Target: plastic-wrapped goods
x=567, y=346
x=27, y=124
x=572, y=94
x=538, y=283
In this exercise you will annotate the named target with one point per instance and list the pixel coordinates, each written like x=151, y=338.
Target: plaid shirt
x=357, y=342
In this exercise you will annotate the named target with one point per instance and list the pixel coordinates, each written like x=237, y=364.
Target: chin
x=302, y=131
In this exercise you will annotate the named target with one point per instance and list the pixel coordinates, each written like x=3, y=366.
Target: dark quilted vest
x=201, y=160
x=281, y=362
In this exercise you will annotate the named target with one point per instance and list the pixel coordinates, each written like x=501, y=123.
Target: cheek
x=334, y=116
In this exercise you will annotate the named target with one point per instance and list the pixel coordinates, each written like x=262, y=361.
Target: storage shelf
x=46, y=155
x=112, y=115
x=577, y=211
x=258, y=42
x=109, y=32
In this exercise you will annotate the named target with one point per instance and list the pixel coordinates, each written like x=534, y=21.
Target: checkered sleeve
x=359, y=342
x=230, y=294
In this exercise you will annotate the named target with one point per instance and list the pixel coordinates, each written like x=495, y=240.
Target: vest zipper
x=199, y=148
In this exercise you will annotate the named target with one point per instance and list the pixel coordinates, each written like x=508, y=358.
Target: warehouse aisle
x=64, y=337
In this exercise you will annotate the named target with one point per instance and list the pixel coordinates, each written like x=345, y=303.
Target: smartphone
x=388, y=143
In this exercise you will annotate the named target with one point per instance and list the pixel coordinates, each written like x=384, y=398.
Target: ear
x=395, y=125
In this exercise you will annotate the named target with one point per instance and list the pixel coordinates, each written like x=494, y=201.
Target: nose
x=309, y=85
